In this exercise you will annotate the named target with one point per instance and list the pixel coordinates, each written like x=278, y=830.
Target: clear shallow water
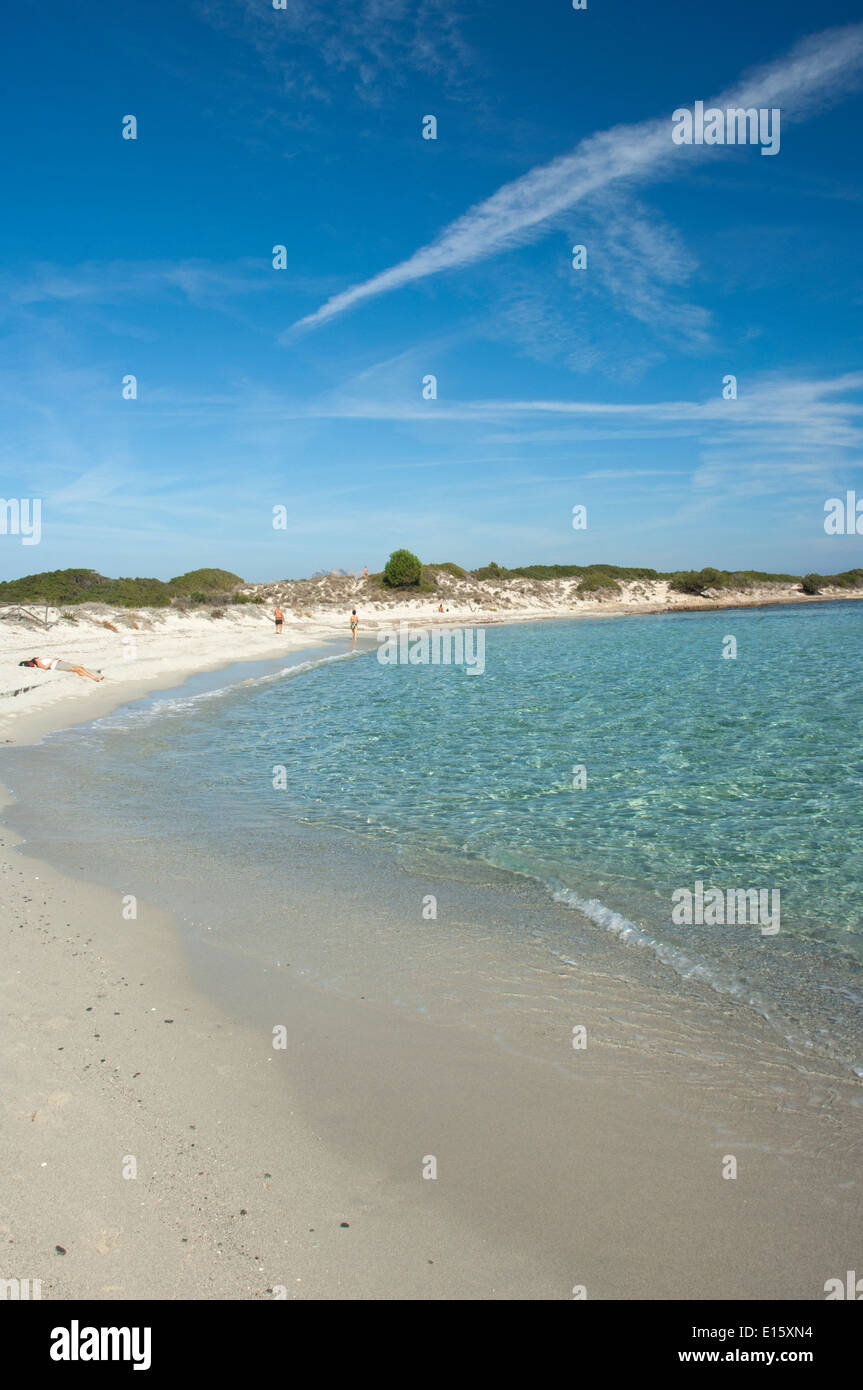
x=739, y=773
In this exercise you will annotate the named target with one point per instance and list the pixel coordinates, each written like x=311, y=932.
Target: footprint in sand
x=106, y=1241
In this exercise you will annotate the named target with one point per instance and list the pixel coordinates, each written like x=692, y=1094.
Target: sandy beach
x=298, y=1172
x=111, y=1056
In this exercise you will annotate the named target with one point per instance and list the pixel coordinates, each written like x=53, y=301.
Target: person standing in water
x=354, y=624
x=280, y=618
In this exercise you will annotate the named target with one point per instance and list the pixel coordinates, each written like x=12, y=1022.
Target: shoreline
x=302, y=1169
x=88, y=700
x=51, y=709
x=551, y=1173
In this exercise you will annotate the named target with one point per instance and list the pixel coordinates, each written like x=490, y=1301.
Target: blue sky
x=406, y=257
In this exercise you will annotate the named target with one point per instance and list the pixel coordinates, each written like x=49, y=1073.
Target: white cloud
x=814, y=73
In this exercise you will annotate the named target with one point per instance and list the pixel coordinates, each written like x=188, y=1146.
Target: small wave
x=721, y=981
x=724, y=982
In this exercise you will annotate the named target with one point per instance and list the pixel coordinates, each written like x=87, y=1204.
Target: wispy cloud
x=99, y=282
x=369, y=40
x=638, y=266
x=788, y=413
x=816, y=72
x=641, y=261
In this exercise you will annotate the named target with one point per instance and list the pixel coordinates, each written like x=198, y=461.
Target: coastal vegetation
x=848, y=579
x=404, y=574
x=75, y=586
x=615, y=572
x=598, y=583
x=402, y=570
x=696, y=582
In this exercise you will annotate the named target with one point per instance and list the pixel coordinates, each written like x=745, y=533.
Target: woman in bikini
x=354, y=623
x=55, y=664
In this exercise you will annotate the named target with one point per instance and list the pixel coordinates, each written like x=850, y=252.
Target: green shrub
x=598, y=583
x=85, y=586
x=455, y=570
x=762, y=577
x=206, y=580
x=88, y=586
x=848, y=579
x=687, y=582
x=402, y=570
x=695, y=581
x=490, y=571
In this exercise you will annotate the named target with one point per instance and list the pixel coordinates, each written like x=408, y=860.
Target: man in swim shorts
x=280, y=618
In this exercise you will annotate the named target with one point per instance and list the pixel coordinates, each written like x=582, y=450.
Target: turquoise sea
x=739, y=773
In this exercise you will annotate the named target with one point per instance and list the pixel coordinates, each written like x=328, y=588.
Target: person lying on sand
x=55, y=664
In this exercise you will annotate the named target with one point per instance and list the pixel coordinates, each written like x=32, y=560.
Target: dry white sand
x=160, y=652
